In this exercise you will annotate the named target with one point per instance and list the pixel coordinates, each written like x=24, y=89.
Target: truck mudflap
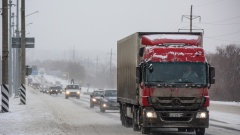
x=176, y=119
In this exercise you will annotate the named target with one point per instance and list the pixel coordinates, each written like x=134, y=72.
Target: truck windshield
x=177, y=73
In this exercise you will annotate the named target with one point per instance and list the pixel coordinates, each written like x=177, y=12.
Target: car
x=60, y=90
x=45, y=90
x=35, y=85
x=108, y=101
x=72, y=90
x=53, y=90
x=95, y=97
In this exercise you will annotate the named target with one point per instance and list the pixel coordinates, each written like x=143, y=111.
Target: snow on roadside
x=225, y=119
x=225, y=103
x=32, y=118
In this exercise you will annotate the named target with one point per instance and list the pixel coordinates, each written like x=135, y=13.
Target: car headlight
x=151, y=114
x=94, y=100
x=67, y=92
x=51, y=90
x=104, y=105
x=201, y=115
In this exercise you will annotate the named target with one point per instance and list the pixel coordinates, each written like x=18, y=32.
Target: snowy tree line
x=226, y=61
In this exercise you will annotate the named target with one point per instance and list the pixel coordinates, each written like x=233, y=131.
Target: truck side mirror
x=141, y=51
x=212, y=75
x=212, y=72
x=138, y=75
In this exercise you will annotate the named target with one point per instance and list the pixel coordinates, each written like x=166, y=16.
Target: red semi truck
x=162, y=81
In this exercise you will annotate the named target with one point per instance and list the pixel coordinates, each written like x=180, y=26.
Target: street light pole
x=10, y=63
x=23, y=85
x=4, y=86
x=17, y=54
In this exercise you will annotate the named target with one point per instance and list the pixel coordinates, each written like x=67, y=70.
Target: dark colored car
x=72, y=90
x=109, y=101
x=53, y=90
x=95, y=97
x=60, y=89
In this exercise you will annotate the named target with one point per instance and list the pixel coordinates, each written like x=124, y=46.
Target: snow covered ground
x=31, y=116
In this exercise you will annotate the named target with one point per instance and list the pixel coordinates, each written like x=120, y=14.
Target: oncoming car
x=53, y=90
x=95, y=97
x=72, y=90
x=109, y=101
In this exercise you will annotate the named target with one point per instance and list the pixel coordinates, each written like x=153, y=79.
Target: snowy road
x=53, y=114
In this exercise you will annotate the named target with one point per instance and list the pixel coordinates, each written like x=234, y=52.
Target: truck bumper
x=172, y=119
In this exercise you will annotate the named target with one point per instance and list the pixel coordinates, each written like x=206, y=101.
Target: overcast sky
x=92, y=27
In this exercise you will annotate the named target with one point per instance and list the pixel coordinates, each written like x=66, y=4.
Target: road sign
x=29, y=42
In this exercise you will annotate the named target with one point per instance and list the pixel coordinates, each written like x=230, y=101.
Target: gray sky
x=92, y=27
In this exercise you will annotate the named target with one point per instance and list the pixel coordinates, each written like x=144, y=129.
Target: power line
x=209, y=3
x=222, y=20
x=224, y=34
x=221, y=39
x=221, y=24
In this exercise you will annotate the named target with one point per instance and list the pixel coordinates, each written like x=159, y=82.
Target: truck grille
x=176, y=103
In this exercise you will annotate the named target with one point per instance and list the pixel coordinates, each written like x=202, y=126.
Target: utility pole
x=191, y=17
x=23, y=85
x=4, y=86
x=17, y=69
x=10, y=63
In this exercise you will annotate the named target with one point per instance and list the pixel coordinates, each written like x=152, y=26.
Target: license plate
x=175, y=114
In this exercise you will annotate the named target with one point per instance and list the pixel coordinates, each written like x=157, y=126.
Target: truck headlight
x=78, y=92
x=201, y=115
x=151, y=114
x=67, y=92
x=94, y=100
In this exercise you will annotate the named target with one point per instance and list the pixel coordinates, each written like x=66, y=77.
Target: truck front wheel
x=200, y=131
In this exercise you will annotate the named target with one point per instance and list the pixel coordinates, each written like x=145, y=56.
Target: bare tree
x=226, y=61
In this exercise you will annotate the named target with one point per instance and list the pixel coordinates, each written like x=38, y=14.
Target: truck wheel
x=66, y=97
x=200, y=131
x=145, y=130
x=128, y=122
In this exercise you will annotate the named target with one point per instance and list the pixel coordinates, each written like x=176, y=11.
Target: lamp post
x=66, y=74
